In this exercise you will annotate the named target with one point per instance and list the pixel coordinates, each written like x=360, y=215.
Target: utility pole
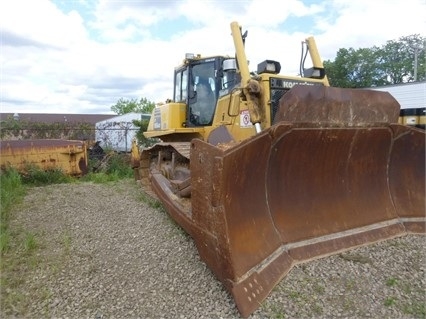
x=416, y=50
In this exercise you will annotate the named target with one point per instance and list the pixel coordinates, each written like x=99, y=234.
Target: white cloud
x=42, y=22
x=87, y=58
x=365, y=23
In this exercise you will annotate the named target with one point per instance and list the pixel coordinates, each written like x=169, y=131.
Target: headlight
x=269, y=66
x=315, y=73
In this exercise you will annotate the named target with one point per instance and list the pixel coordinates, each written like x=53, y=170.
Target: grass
x=36, y=177
x=66, y=242
x=12, y=192
x=391, y=282
x=390, y=301
x=113, y=167
x=30, y=243
x=150, y=201
x=411, y=306
x=417, y=309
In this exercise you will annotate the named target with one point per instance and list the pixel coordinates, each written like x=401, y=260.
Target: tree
x=354, y=68
x=142, y=140
x=400, y=59
x=124, y=106
x=142, y=106
x=393, y=63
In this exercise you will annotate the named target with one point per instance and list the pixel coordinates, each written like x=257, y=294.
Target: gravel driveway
x=105, y=253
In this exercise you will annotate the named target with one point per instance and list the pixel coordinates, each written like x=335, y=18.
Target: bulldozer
x=266, y=171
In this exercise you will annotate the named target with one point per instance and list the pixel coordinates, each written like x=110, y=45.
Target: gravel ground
x=104, y=253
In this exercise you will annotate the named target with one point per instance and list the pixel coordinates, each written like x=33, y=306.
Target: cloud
x=83, y=56
x=364, y=23
x=41, y=22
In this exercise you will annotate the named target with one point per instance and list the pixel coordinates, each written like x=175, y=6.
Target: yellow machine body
x=47, y=154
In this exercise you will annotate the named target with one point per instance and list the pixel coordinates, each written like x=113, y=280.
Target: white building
x=118, y=132
x=409, y=95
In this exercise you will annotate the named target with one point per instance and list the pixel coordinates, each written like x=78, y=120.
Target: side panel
x=69, y=156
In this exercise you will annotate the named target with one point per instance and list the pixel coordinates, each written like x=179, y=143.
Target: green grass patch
x=151, y=201
x=412, y=301
x=100, y=178
x=391, y=282
x=12, y=191
x=66, y=242
x=35, y=176
x=416, y=309
x=389, y=301
x=30, y=243
x=112, y=168
x=275, y=312
x=114, y=165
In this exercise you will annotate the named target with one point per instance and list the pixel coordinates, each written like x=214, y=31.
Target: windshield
x=202, y=103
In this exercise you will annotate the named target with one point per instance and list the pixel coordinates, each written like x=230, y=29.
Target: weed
x=350, y=283
x=45, y=293
x=318, y=288
x=151, y=201
x=348, y=304
x=317, y=309
x=120, y=165
x=276, y=312
x=4, y=241
x=38, y=177
x=390, y=301
x=416, y=309
x=391, y=282
x=30, y=243
x=101, y=178
x=116, y=164
x=406, y=287
x=66, y=242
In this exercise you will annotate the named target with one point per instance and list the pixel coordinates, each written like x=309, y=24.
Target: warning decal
x=245, y=119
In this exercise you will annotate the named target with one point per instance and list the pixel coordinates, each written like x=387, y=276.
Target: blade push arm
x=251, y=87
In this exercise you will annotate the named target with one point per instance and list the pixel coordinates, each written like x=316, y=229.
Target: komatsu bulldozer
x=267, y=171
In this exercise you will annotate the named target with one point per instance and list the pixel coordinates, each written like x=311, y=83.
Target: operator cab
x=198, y=83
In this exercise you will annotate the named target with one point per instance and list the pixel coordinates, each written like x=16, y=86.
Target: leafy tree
x=142, y=140
x=354, y=68
x=124, y=106
x=393, y=63
x=398, y=59
x=142, y=106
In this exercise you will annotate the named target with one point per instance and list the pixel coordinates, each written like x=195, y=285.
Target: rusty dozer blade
x=303, y=189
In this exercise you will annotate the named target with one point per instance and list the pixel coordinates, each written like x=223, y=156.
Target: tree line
x=396, y=62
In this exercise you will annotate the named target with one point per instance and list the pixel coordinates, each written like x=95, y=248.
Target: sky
x=82, y=56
